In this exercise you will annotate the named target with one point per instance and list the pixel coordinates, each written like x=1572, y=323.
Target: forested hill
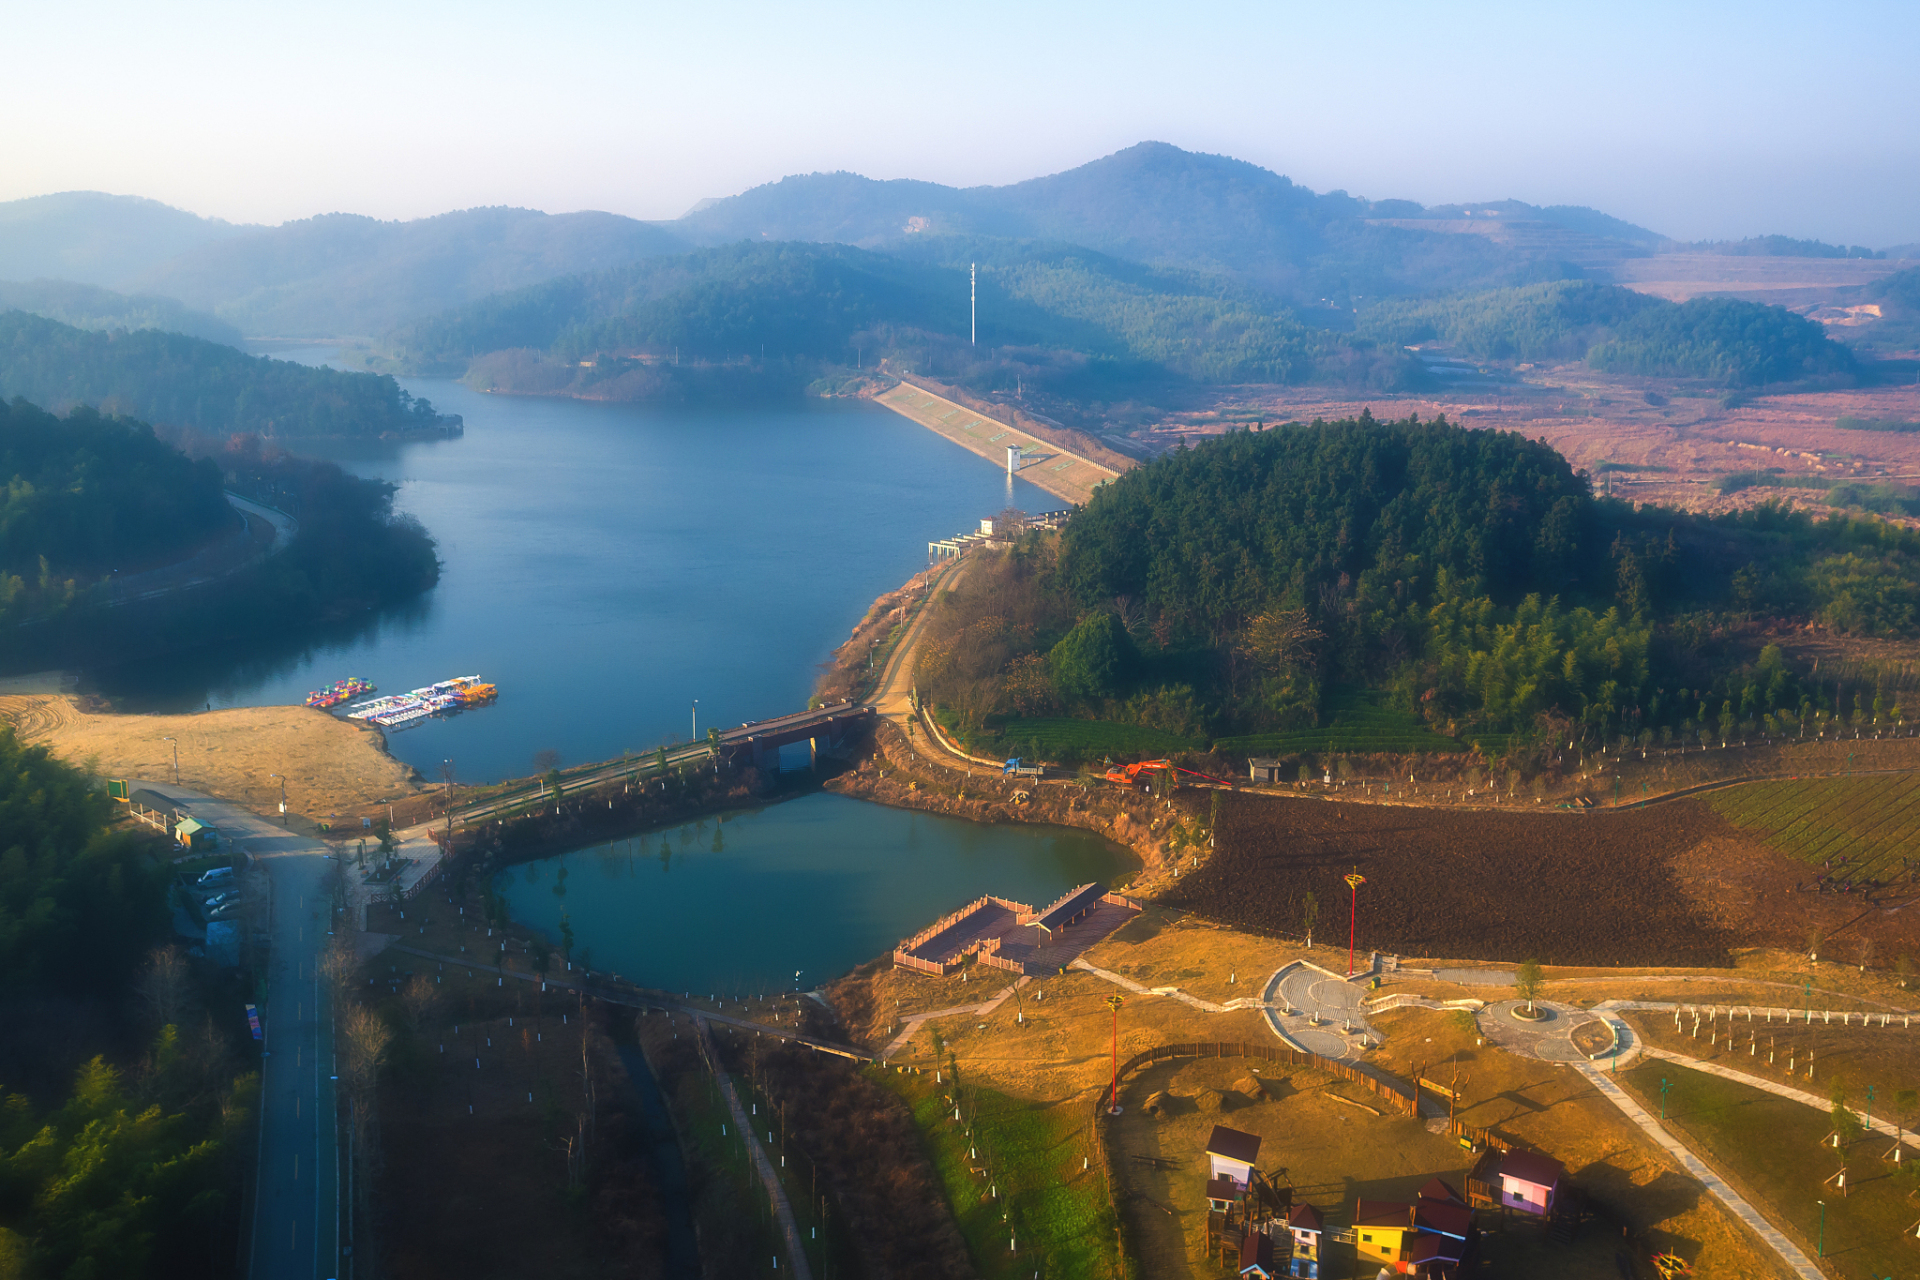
x=1723, y=340
x=1052, y=316
x=215, y=390
x=86, y=306
x=86, y=494
x=1468, y=578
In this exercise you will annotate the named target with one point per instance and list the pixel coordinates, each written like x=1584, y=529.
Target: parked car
x=224, y=910
x=215, y=876
x=221, y=899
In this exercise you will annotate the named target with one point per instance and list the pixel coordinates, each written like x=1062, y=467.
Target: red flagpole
x=1354, y=882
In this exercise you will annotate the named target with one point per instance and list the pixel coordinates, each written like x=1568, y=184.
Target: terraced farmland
x=1873, y=823
x=1358, y=720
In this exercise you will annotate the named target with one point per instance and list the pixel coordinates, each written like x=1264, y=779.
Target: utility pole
x=696, y=721
x=1354, y=881
x=176, y=759
x=973, y=304
x=1113, y=1107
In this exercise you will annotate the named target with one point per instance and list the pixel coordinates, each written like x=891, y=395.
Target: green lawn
x=1088, y=739
x=1358, y=720
x=1031, y=1191
x=1770, y=1149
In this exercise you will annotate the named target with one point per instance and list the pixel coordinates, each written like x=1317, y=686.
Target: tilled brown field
x=1592, y=888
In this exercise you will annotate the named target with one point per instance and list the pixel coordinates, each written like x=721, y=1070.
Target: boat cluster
x=400, y=709
x=339, y=691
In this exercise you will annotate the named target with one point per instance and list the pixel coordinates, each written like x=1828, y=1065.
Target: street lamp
x=176, y=758
x=1354, y=881
x=1664, y=1086
x=1821, y=1248
x=283, y=797
x=1113, y=1108
x=696, y=721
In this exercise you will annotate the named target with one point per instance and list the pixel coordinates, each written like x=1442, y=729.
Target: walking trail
x=769, y=1177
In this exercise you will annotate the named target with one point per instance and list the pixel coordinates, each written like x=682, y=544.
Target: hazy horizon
x=1718, y=122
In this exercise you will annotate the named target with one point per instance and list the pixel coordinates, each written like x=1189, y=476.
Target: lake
x=606, y=565
x=819, y=884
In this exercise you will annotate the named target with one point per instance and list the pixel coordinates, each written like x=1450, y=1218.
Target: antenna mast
x=973, y=304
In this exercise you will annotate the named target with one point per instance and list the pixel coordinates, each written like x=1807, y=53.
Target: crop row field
x=1055, y=738
x=1359, y=721
x=1871, y=824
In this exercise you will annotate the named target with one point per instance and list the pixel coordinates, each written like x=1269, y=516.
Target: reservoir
x=736, y=904
x=606, y=565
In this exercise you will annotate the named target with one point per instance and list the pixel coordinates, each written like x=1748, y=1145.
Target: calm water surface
x=606, y=565
x=819, y=884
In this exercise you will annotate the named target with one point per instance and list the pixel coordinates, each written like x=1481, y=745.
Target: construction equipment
x=1142, y=773
x=1014, y=768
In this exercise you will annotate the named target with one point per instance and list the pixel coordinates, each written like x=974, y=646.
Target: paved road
x=297, y=1185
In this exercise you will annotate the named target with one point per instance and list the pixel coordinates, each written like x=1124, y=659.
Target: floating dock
x=398, y=710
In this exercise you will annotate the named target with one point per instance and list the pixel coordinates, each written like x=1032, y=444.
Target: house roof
x=1383, y=1213
x=1447, y=1219
x=1434, y=1249
x=1223, y=1188
x=1231, y=1144
x=1256, y=1251
x=1081, y=899
x=187, y=826
x=1531, y=1166
x=154, y=800
x=1304, y=1217
x=1263, y=762
x=1442, y=1190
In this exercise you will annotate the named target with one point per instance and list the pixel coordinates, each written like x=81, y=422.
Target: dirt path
x=331, y=766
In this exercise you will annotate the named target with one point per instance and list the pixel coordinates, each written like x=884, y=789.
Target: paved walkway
x=979, y=1010
x=1790, y=1253
x=1549, y=1039
x=797, y=1265
x=1319, y=1011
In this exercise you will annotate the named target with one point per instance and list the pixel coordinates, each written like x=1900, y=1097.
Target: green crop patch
x=1019, y=1176
x=1361, y=721
x=1873, y=822
x=1054, y=738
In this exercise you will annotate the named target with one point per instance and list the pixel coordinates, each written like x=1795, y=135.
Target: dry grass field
x=332, y=766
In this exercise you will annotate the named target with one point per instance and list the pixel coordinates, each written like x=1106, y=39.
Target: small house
x=1528, y=1181
x=1256, y=1256
x=1231, y=1153
x=1380, y=1232
x=1305, y=1224
x=195, y=834
x=1223, y=1193
x=1263, y=769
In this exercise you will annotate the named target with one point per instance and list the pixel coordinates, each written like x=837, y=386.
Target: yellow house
x=1382, y=1231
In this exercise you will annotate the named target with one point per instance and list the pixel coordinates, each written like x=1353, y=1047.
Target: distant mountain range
x=345, y=275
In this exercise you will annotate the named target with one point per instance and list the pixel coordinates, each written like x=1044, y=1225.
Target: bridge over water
x=757, y=742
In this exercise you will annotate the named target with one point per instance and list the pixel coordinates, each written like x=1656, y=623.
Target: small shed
x=1231, y=1153
x=1380, y=1231
x=195, y=834
x=1256, y=1255
x=1306, y=1225
x=1528, y=1181
x=1074, y=907
x=1263, y=769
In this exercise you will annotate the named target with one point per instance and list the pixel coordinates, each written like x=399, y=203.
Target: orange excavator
x=1141, y=774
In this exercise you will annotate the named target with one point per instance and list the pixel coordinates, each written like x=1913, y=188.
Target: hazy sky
x=1698, y=120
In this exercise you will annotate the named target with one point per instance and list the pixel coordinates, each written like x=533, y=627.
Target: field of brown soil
x=1674, y=448
x=332, y=766
x=1602, y=888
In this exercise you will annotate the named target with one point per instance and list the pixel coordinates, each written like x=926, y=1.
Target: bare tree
x=418, y=998
x=1281, y=638
x=164, y=988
